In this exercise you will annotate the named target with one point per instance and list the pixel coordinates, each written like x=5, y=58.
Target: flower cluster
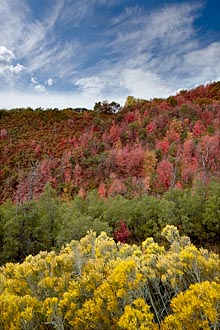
x=96, y=283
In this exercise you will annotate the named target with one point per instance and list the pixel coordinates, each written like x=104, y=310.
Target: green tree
x=79, y=216
x=211, y=215
x=106, y=107
x=184, y=209
x=49, y=217
x=18, y=226
x=27, y=228
x=130, y=101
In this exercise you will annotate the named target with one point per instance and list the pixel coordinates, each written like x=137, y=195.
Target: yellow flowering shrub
x=52, y=311
x=196, y=308
x=18, y=312
x=98, y=284
x=137, y=316
x=111, y=295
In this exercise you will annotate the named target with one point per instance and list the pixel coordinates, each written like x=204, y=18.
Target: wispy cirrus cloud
x=6, y=55
x=156, y=52
x=35, y=41
x=99, y=49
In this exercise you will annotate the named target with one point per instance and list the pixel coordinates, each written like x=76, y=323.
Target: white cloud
x=197, y=66
x=40, y=88
x=33, y=80
x=13, y=17
x=116, y=84
x=206, y=60
x=142, y=83
x=6, y=55
x=74, y=12
x=159, y=32
x=18, y=68
x=15, y=99
x=36, y=41
x=91, y=85
x=159, y=52
x=50, y=82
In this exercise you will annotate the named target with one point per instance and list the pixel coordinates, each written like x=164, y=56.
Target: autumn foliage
x=146, y=147
x=96, y=211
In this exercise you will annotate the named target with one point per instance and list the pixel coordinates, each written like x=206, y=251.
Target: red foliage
x=116, y=187
x=114, y=133
x=82, y=192
x=173, y=133
x=164, y=172
x=121, y=235
x=150, y=128
x=129, y=117
x=207, y=117
x=198, y=129
x=208, y=154
x=72, y=149
x=78, y=177
x=129, y=160
x=163, y=145
x=3, y=133
x=37, y=149
x=102, y=190
x=189, y=162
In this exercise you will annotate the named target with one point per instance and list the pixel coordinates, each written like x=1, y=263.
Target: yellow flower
x=136, y=316
x=196, y=308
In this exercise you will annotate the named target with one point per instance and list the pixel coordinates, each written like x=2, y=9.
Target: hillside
x=147, y=147
x=111, y=220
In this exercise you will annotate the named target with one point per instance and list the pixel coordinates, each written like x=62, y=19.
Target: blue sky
x=72, y=53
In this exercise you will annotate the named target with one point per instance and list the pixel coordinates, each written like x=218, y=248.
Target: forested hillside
x=146, y=147
x=110, y=218
x=156, y=162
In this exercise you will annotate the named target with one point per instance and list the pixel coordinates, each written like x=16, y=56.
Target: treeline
x=49, y=223
x=98, y=284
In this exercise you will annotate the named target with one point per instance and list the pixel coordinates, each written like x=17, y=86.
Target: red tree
x=123, y=233
x=165, y=172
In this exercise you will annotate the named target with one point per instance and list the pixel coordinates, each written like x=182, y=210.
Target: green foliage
x=29, y=227
x=172, y=101
x=211, y=215
x=79, y=216
x=106, y=107
x=49, y=222
x=131, y=101
x=185, y=210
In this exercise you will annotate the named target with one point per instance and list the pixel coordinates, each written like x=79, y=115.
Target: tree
x=208, y=155
x=211, y=214
x=149, y=166
x=123, y=233
x=106, y=107
x=131, y=101
x=102, y=190
x=165, y=172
